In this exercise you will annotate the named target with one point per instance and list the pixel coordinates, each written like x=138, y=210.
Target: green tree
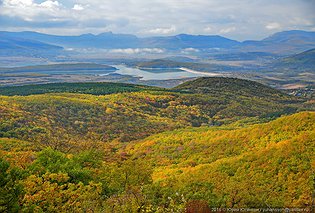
x=10, y=188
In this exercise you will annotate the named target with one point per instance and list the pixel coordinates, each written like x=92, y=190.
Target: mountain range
x=286, y=42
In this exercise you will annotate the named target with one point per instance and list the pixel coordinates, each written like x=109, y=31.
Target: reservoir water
x=156, y=74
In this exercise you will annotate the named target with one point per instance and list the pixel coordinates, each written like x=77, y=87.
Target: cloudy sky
x=238, y=19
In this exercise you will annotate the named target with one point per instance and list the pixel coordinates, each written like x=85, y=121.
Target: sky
x=236, y=19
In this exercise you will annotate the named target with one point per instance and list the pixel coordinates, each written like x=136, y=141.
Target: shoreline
x=199, y=72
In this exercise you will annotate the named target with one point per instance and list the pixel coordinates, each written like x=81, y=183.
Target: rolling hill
x=104, y=147
x=233, y=86
x=259, y=166
x=130, y=112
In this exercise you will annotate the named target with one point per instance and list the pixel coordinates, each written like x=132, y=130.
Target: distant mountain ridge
x=286, y=42
x=190, y=41
x=110, y=40
x=287, y=36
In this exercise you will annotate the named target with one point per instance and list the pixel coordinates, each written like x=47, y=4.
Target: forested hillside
x=82, y=88
x=127, y=116
x=212, y=142
x=260, y=166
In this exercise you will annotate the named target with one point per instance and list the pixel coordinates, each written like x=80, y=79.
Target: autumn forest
x=105, y=147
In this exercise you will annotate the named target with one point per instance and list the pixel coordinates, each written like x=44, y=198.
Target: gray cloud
x=243, y=19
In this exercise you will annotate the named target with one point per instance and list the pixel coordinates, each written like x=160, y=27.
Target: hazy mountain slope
x=292, y=36
x=104, y=40
x=286, y=42
x=264, y=165
x=183, y=41
x=23, y=46
x=245, y=56
x=304, y=61
x=110, y=40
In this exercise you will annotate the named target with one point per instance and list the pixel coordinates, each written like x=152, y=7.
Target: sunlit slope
x=262, y=165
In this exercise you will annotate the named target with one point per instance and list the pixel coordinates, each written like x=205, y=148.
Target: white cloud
x=190, y=50
x=169, y=30
x=273, y=26
x=239, y=20
x=208, y=29
x=18, y=2
x=50, y=4
x=302, y=21
x=227, y=30
x=137, y=50
x=78, y=7
x=29, y=10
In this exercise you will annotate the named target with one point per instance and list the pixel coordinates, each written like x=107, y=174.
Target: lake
x=158, y=74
